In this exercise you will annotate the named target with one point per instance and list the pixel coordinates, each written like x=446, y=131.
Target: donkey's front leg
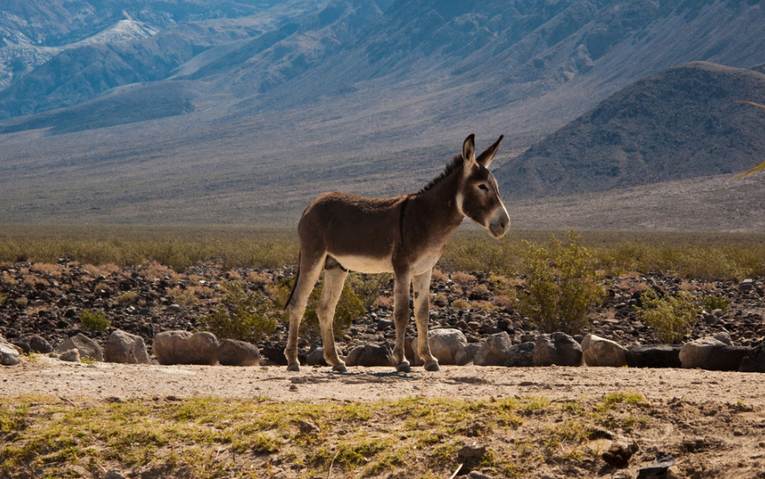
x=421, y=288
x=401, y=315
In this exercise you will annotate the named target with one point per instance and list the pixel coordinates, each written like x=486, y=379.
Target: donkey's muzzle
x=500, y=225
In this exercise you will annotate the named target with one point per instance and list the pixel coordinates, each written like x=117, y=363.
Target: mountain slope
x=686, y=122
x=240, y=111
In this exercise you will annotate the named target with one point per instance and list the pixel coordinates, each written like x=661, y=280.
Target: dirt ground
x=106, y=380
x=535, y=422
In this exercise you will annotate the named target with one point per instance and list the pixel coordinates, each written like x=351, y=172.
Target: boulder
x=87, y=347
x=713, y=354
x=123, y=347
x=599, y=351
x=316, y=357
x=446, y=344
x=754, y=362
x=183, y=347
x=521, y=355
x=654, y=356
x=232, y=352
x=557, y=348
x=38, y=344
x=494, y=350
x=368, y=355
x=71, y=355
x=467, y=354
x=619, y=454
x=9, y=355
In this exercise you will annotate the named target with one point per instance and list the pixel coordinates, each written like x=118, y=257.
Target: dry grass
x=704, y=256
x=207, y=438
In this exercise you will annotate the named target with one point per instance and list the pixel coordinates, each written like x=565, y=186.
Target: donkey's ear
x=468, y=149
x=488, y=156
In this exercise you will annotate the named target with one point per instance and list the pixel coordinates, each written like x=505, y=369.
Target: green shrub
x=350, y=306
x=367, y=287
x=94, y=321
x=712, y=302
x=671, y=317
x=243, y=315
x=561, y=285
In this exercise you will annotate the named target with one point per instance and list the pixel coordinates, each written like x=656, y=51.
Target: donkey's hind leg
x=401, y=284
x=310, y=269
x=334, y=278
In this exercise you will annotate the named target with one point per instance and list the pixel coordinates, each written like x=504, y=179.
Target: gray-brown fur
x=404, y=235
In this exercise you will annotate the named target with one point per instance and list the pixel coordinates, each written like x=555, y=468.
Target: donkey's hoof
x=432, y=366
x=293, y=367
x=339, y=368
x=403, y=367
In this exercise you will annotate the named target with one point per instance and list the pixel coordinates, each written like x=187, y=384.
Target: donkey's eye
x=483, y=187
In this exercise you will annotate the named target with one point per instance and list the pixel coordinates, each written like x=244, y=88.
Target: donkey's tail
x=294, y=285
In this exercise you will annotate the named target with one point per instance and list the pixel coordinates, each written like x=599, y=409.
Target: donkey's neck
x=437, y=208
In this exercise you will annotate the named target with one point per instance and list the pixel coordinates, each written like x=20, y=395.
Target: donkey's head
x=478, y=194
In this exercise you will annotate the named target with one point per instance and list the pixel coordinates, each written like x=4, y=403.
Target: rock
x=654, y=356
x=22, y=345
x=71, y=355
x=619, y=454
x=183, y=347
x=467, y=354
x=754, y=362
x=38, y=344
x=316, y=357
x=658, y=469
x=521, y=355
x=232, y=352
x=470, y=456
x=599, y=351
x=446, y=344
x=478, y=475
x=123, y=347
x=9, y=355
x=713, y=354
x=113, y=474
x=494, y=350
x=746, y=285
x=86, y=347
x=557, y=348
x=307, y=427
x=368, y=355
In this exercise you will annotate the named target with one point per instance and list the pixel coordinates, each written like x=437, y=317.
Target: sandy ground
x=105, y=380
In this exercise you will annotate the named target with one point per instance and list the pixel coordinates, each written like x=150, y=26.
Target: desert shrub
x=127, y=297
x=3, y=298
x=461, y=304
x=561, y=285
x=712, y=302
x=368, y=286
x=671, y=317
x=94, y=321
x=243, y=315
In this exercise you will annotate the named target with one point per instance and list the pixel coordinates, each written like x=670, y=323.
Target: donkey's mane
x=448, y=170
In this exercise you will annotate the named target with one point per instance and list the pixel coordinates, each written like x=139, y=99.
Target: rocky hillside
x=689, y=121
x=199, y=111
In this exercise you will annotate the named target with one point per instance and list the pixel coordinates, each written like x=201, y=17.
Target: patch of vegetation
x=349, y=307
x=128, y=297
x=562, y=286
x=207, y=437
x=671, y=317
x=713, y=302
x=94, y=321
x=242, y=315
x=3, y=298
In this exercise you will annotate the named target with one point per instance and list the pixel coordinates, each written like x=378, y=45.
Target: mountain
x=690, y=121
x=239, y=111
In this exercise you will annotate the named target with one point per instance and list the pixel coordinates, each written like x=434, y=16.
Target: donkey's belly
x=363, y=264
